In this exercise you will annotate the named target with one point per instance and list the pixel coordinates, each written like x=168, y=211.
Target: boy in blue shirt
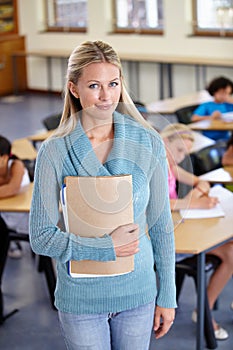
x=221, y=89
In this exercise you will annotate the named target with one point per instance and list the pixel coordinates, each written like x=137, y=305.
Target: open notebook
x=92, y=207
x=217, y=211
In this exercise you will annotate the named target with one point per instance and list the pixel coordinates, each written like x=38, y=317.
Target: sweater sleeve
x=161, y=230
x=46, y=237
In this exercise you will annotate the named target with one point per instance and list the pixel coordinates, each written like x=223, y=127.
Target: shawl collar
x=82, y=156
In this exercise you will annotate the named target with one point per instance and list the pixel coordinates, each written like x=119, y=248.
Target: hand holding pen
x=202, y=188
x=201, y=192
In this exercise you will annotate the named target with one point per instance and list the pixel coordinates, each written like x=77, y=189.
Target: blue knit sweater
x=135, y=151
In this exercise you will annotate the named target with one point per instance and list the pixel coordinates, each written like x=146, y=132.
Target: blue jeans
x=125, y=330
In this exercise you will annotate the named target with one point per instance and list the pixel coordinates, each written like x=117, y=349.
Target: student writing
x=178, y=140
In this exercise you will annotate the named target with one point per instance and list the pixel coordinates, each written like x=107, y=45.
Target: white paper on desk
x=216, y=191
x=200, y=141
x=227, y=117
x=213, y=175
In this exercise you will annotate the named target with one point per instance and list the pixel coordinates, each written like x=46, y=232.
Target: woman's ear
x=73, y=89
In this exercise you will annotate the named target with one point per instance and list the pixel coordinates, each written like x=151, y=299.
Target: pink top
x=172, y=184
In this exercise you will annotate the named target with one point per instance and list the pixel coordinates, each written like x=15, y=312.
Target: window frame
x=215, y=32
x=58, y=29
x=140, y=31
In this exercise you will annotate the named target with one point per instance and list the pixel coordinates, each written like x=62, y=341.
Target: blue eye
x=113, y=84
x=93, y=86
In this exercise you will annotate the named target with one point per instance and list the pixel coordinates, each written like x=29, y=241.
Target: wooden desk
x=221, y=175
x=23, y=149
x=22, y=203
x=40, y=137
x=170, y=105
x=198, y=237
x=219, y=124
x=19, y=203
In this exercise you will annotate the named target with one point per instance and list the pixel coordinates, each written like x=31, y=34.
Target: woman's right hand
x=126, y=239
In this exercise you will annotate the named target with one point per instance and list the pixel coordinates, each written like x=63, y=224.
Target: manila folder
x=96, y=206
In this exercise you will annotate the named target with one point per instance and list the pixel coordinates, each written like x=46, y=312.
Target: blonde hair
x=177, y=130
x=83, y=55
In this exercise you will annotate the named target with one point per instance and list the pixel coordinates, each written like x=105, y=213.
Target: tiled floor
x=21, y=116
x=35, y=326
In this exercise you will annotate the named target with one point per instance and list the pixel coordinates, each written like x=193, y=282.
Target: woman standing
x=102, y=134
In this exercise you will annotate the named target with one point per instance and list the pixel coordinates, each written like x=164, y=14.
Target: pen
x=203, y=192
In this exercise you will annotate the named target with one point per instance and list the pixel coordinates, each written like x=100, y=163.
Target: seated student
x=221, y=89
x=227, y=158
x=14, y=178
x=178, y=139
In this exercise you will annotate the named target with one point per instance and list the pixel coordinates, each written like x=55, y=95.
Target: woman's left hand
x=163, y=321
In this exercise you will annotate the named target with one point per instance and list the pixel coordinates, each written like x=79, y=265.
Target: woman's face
x=99, y=90
x=177, y=149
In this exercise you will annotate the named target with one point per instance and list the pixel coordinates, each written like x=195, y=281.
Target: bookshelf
x=8, y=17
x=10, y=41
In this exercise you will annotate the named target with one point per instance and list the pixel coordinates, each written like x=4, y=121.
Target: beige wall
x=175, y=41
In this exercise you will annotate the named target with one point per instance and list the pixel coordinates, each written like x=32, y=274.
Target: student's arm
x=191, y=201
x=214, y=115
x=12, y=187
x=184, y=176
x=190, y=179
x=46, y=236
x=197, y=118
x=201, y=113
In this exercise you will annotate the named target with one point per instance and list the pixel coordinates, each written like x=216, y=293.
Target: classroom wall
x=177, y=40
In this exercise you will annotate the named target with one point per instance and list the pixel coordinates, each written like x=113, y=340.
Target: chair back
x=30, y=166
x=208, y=158
x=184, y=114
x=52, y=121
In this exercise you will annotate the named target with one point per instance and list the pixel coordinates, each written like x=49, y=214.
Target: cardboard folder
x=96, y=206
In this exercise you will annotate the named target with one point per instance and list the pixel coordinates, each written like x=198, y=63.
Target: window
x=66, y=15
x=138, y=16
x=213, y=17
